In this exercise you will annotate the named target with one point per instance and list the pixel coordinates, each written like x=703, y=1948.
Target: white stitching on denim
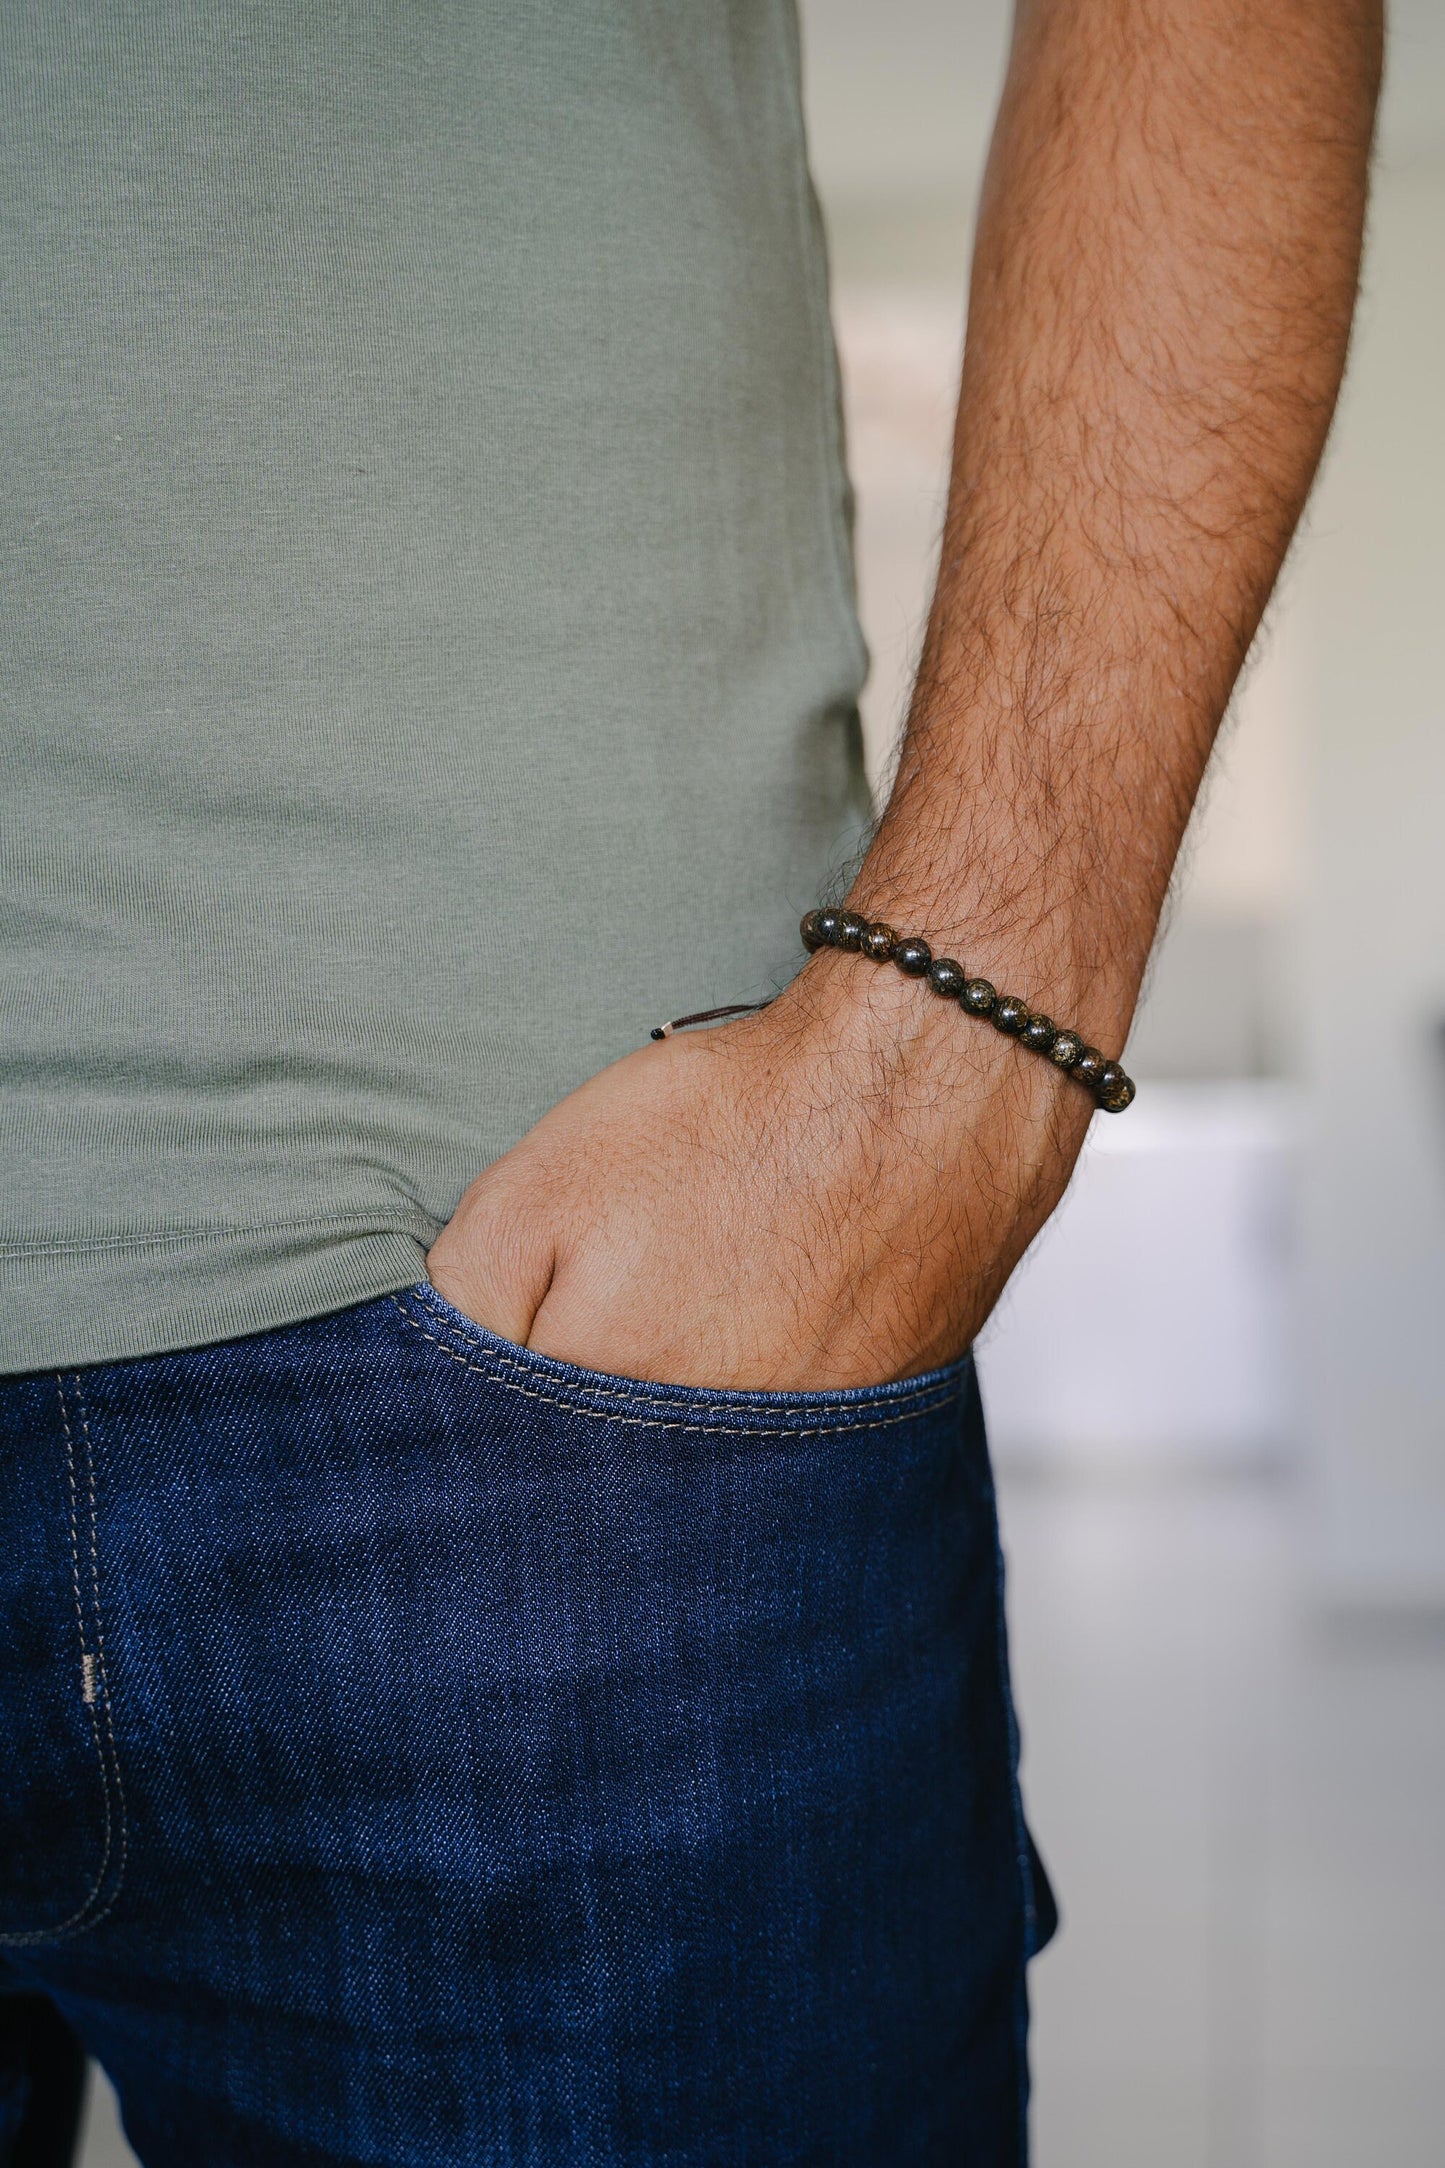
x=918, y=1403
x=78, y=1918
x=627, y=1390
x=73, y=1515
x=495, y=1356
x=100, y=1651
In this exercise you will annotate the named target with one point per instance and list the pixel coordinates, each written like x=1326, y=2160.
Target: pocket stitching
x=916, y=1404
x=86, y=1915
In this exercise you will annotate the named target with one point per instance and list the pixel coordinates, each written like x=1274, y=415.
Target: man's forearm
x=1162, y=289
x=835, y=1191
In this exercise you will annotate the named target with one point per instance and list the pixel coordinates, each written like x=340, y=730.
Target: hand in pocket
x=830, y=1193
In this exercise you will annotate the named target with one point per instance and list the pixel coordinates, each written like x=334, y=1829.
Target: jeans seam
x=95, y=1688
x=917, y=1404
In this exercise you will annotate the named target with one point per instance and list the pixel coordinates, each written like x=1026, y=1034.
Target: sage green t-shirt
x=427, y=646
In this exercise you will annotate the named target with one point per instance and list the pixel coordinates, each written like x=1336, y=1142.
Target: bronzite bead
x=913, y=955
x=836, y=926
x=1114, y=1090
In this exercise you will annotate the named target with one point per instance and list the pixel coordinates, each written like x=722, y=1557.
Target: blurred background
x=1217, y=1386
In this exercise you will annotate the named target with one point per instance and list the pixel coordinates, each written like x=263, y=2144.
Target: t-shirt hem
x=68, y=1309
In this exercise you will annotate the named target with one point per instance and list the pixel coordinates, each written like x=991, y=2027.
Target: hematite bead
x=1113, y=1098
x=913, y=955
x=825, y=925
x=1066, y=1049
x=851, y=929
x=1039, y=1032
x=1089, y=1067
x=878, y=941
x=1010, y=1014
x=946, y=977
x=979, y=996
x=812, y=939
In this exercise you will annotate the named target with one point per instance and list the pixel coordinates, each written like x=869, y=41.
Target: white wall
x=1369, y=619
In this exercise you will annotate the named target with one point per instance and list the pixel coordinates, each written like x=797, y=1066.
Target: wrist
x=893, y=1046
x=1060, y=960
x=842, y=931
x=1018, y=885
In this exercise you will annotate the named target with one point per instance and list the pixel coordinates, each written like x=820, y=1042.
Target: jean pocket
x=740, y=1665
x=703, y=1410
x=62, y=1810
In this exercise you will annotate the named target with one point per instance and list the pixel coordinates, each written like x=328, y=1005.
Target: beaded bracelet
x=842, y=929
x=830, y=928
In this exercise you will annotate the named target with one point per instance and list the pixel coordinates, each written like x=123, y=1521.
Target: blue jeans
x=417, y=1751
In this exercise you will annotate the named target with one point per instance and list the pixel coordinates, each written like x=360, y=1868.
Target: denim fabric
x=418, y=1751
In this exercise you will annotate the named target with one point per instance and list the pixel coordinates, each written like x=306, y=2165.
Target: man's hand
x=834, y=1192
x=829, y=1193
